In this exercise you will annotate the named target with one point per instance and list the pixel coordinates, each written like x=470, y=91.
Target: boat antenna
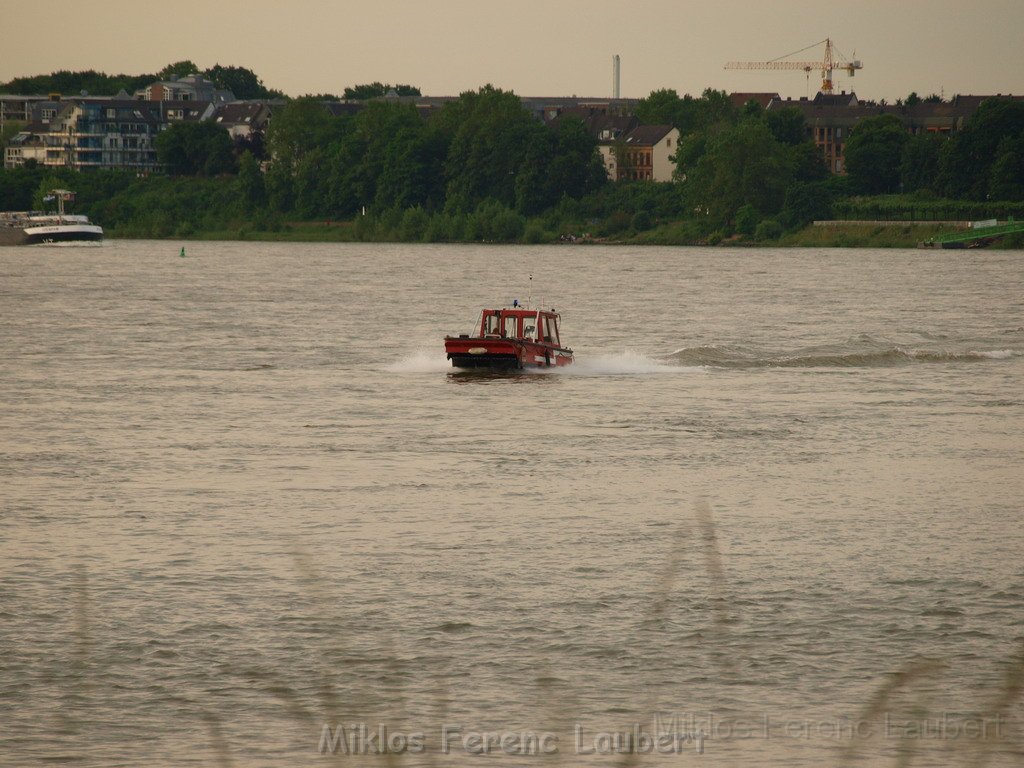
x=529, y=294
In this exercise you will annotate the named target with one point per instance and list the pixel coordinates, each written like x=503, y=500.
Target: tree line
x=983, y=162
x=743, y=166
x=743, y=170
x=483, y=168
x=242, y=82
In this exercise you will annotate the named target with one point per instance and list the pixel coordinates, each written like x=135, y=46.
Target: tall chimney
x=615, y=76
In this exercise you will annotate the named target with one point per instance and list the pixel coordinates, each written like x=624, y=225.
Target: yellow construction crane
x=833, y=60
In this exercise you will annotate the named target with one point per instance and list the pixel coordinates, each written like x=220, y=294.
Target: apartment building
x=92, y=133
x=17, y=108
x=190, y=88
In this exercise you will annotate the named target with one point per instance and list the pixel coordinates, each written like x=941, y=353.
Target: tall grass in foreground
x=911, y=678
x=881, y=700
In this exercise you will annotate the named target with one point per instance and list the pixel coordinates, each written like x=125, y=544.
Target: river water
x=772, y=515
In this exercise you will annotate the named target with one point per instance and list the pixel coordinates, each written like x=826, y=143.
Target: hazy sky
x=534, y=47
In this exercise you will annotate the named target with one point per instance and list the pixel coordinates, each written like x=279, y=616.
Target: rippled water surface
x=778, y=498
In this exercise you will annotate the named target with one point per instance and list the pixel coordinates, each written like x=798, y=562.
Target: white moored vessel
x=38, y=228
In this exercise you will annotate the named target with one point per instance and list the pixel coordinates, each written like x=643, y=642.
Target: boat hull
x=486, y=362
x=39, y=228
x=498, y=354
x=63, y=233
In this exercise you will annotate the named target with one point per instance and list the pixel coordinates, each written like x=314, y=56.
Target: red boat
x=510, y=339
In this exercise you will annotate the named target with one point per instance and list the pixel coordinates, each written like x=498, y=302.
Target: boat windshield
x=551, y=330
x=499, y=324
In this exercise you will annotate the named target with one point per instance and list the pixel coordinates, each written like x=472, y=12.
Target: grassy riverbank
x=642, y=213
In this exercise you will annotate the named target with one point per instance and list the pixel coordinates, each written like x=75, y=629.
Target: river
x=772, y=515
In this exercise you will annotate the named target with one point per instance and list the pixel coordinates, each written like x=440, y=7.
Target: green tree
x=661, y=107
x=242, y=82
x=494, y=222
x=559, y=162
x=806, y=202
x=251, y=185
x=689, y=115
x=967, y=161
x=43, y=200
x=488, y=148
x=751, y=108
x=387, y=158
x=743, y=164
x=716, y=108
x=874, y=153
x=1007, y=178
x=412, y=169
x=787, y=125
x=805, y=163
x=689, y=151
x=310, y=184
x=178, y=69
x=919, y=166
x=195, y=149
x=18, y=187
x=376, y=90
x=73, y=83
x=769, y=229
x=401, y=164
x=747, y=219
x=280, y=186
x=414, y=224
x=301, y=126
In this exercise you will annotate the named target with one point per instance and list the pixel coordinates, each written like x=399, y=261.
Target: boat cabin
x=512, y=338
x=517, y=323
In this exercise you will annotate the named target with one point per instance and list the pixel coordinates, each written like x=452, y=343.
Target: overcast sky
x=533, y=47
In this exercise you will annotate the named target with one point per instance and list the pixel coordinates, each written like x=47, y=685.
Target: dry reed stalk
x=999, y=709
x=718, y=593
x=877, y=705
x=217, y=739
